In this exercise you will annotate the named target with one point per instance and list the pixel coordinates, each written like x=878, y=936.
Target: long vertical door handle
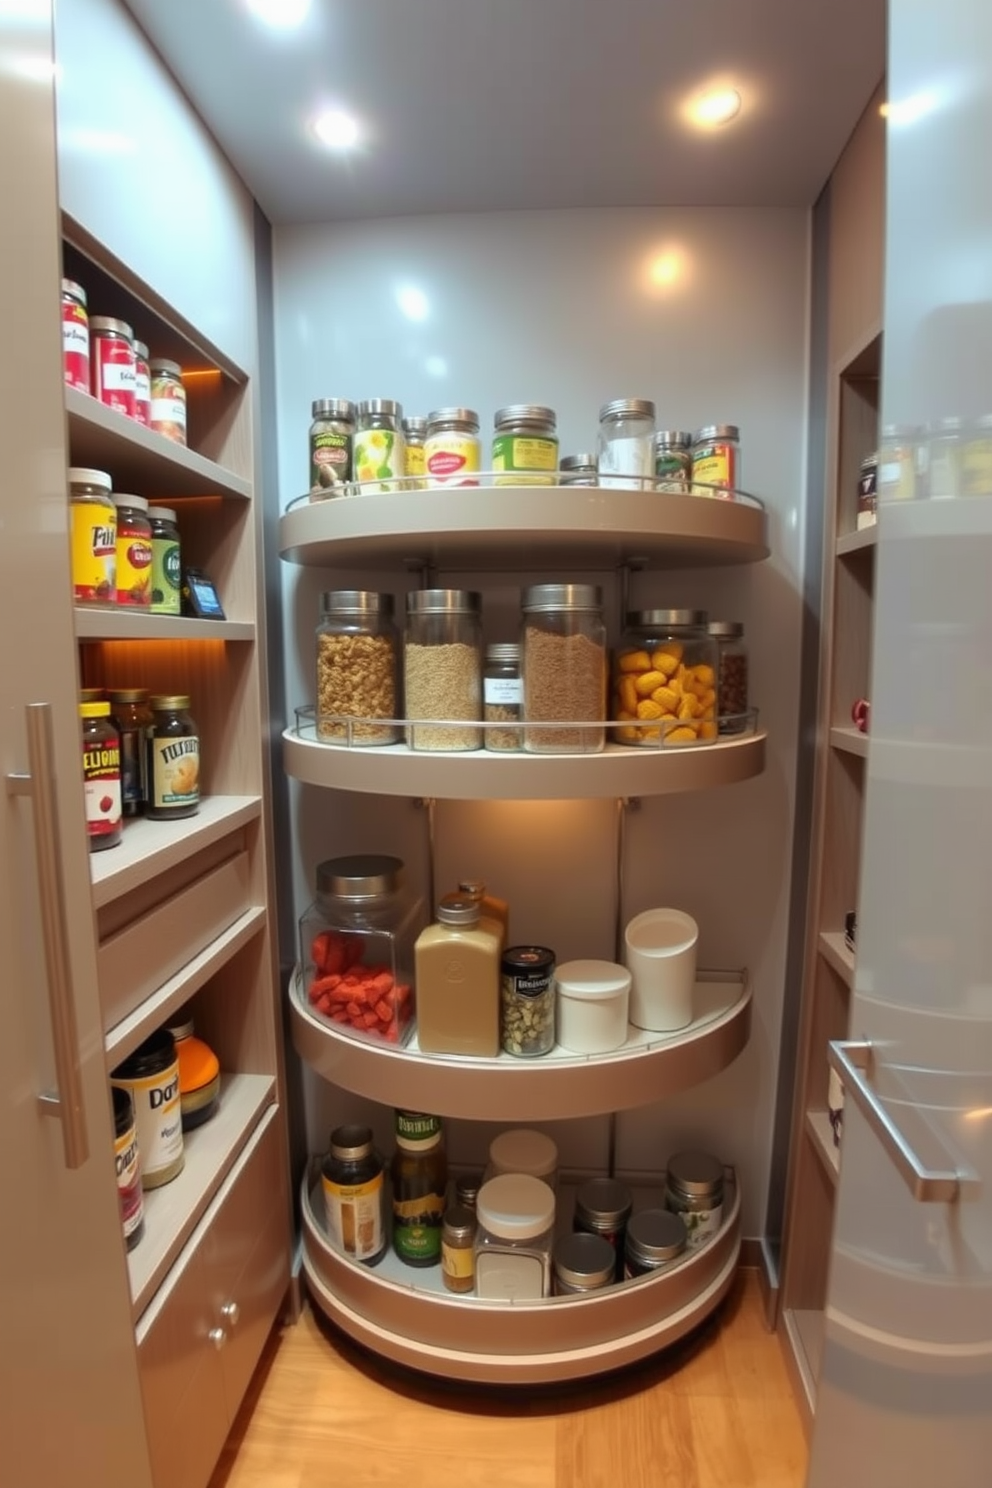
x=67, y=1101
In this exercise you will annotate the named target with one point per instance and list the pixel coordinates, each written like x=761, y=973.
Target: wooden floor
x=715, y=1412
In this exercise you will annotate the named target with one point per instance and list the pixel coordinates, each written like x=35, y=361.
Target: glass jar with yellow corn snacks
x=664, y=680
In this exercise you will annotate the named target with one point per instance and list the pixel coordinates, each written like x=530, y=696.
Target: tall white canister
x=660, y=954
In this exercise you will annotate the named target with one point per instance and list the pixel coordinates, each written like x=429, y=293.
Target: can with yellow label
x=94, y=537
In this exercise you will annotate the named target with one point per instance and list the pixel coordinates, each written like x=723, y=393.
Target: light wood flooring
x=714, y=1412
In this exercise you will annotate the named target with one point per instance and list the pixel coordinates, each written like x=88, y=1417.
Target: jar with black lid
x=467, y=1187
x=664, y=679
x=134, y=721
x=353, y=1184
x=458, y=1248
x=603, y=1207
x=128, y=1165
x=527, y=1001
x=151, y=1077
x=357, y=668
x=419, y=1174
x=379, y=448
x=582, y=1263
x=694, y=1185
x=655, y=1239
x=332, y=435
x=101, y=776
x=173, y=760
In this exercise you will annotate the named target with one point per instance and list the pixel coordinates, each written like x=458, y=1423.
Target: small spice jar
x=93, y=518
x=199, y=1074
x=354, y=1186
x=173, y=760
x=151, y=1077
x=442, y=669
x=603, y=1207
x=867, y=502
x=112, y=363
x=379, y=449
x=332, y=435
x=142, y=385
x=655, y=1240
x=516, y=1216
x=458, y=1248
x=101, y=776
x=126, y=1161
x=133, y=544
x=134, y=721
x=716, y=461
x=415, y=433
x=75, y=336
x=694, y=1184
x=502, y=696
x=626, y=444
x=357, y=668
x=578, y=470
x=582, y=1263
x=664, y=679
x=168, y=408
x=527, y=1001
x=167, y=574
x=673, y=460
x=525, y=445
x=467, y=1190
x=564, y=666
x=732, y=674
x=452, y=453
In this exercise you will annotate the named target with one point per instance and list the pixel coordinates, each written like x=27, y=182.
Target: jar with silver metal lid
x=564, y=666
x=655, y=1240
x=732, y=674
x=663, y=690
x=332, y=435
x=626, y=444
x=525, y=445
x=582, y=1263
x=716, y=461
x=112, y=363
x=458, y=1248
x=578, y=470
x=357, y=668
x=167, y=408
x=673, y=460
x=452, y=452
x=415, y=433
x=442, y=669
x=379, y=448
x=694, y=1183
x=603, y=1207
x=502, y=696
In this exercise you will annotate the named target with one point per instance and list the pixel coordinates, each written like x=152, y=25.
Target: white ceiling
x=474, y=105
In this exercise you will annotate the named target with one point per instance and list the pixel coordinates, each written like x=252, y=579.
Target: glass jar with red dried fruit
x=356, y=947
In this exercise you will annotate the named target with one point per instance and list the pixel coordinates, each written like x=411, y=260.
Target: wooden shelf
x=850, y=740
x=94, y=624
x=858, y=542
x=556, y=1086
x=172, y=1211
x=833, y=949
x=822, y=1137
x=150, y=847
x=142, y=459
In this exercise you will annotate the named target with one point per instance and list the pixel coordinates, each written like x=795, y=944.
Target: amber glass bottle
x=420, y=1180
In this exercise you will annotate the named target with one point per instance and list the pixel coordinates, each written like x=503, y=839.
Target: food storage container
x=592, y=999
x=458, y=1248
x=694, y=1183
x=516, y=1216
x=525, y=446
x=664, y=679
x=673, y=460
x=456, y=965
x=357, y=668
x=452, y=452
x=626, y=444
x=527, y=1001
x=716, y=461
x=582, y=1263
x=655, y=1239
x=442, y=669
x=564, y=666
x=732, y=675
x=379, y=448
x=521, y=1150
x=503, y=697
x=332, y=435
x=602, y=1207
x=578, y=470
x=660, y=952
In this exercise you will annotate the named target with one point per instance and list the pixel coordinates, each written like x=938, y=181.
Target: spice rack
x=492, y=530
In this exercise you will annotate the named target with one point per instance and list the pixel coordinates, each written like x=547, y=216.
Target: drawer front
x=139, y=958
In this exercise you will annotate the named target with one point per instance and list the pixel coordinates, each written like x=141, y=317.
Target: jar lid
x=80, y=476
x=459, y=1222
x=529, y=960
x=726, y=630
x=525, y=413
x=578, y=462
x=680, y=438
x=698, y=619
x=181, y=1027
x=717, y=431
x=156, y=1054
x=94, y=710
x=546, y=597
x=655, y=1235
x=70, y=287
x=141, y=350
x=163, y=364
x=503, y=651
x=359, y=875
x=123, y=1110
x=128, y=694
x=627, y=408
x=443, y=602
x=592, y=978
x=355, y=602
x=165, y=704
x=136, y=503
x=471, y=886
x=199, y=1067
x=584, y=1260
x=695, y=1173
x=415, y=1130
x=521, y=1150
x=604, y=1201
x=515, y=1206
x=108, y=323
x=350, y=1143
x=415, y=424
x=459, y=909
x=442, y=416
x=335, y=408
x=91, y=695
x=467, y=1189
x=388, y=406
x=163, y=514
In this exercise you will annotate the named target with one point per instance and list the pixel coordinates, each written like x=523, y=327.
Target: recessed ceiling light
x=711, y=109
x=413, y=302
x=337, y=130
x=281, y=15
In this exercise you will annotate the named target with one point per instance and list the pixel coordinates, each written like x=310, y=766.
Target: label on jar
x=525, y=454
x=672, y=472
x=700, y=1224
x=142, y=394
x=134, y=564
x=129, y=1180
x=175, y=773
x=458, y=1261
x=354, y=1216
x=506, y=690
x=113, y=373
x=417, y=1228
x=75, y=344
x=102, y=788
x=451, y=458
x=166, y=576
x=416, y=459
x=168, y=409
x=94, y=551
x=379, y=456
x=627, y=461
x=715, y=465
x=158, y=1119
x=330, y=460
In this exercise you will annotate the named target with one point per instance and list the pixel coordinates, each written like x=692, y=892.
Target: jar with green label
x=673, y=460
x=167, y=574
x=420, y=1181
x=525, y=446
x=331, y=436
x=379, y=450
x=173, y=760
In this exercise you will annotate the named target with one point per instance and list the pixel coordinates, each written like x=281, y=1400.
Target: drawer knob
x=217, y=1337
x=231, y=1313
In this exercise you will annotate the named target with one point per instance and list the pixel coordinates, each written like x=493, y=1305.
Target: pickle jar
x=663, y=690
x=564, y=666
x=732, y=675
x=357, y=668
x=442, y=669
x=332, y=434
x=361, y=929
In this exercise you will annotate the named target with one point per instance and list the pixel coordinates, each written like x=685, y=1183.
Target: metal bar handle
x=67, y=1102
x=854, y=1062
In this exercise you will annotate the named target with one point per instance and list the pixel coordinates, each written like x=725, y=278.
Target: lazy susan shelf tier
x=649, y=1066
x=409, y=1318
x=395, y=770
x=507, y=528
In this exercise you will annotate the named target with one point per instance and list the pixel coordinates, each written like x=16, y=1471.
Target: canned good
x=168, y=405
x=458, y=1248
x=75, y=336
x=173, y=760
x=354, y=1187
x=101, y=776
x=716, y=460
x=673, y=460
x=564, y=665
x=151, y=1078
x=694, y=1191
x=626, y=443
x=133, y=545
x=867, y=492
x=415, y=433
x=578, y=470
x=332, y=436
x=142, y=385
x=527, y=1001
x=603, y=1207
x=112, y=363
x=582, y=1263
x=525, y=443
x=93, y=518
x=167, y=575
x=451, y=450
x=134, y=721
x=655, y=1239
x=379, y=449
x=128, y=1167
x=502, y=697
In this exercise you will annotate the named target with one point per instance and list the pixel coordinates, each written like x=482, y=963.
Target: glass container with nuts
x=357, y=668
x=527, y=1001
x=731, y=687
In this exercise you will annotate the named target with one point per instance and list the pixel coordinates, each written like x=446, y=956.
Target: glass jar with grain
x=564, y=666
x=357, y=668
x=442, y=669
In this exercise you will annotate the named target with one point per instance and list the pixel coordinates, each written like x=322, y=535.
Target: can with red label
x=101, y=776
x=94, y=537
x=134, y=552
x=112, y=363
x=75, y=336
x=142, y=385
x=451, y=449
